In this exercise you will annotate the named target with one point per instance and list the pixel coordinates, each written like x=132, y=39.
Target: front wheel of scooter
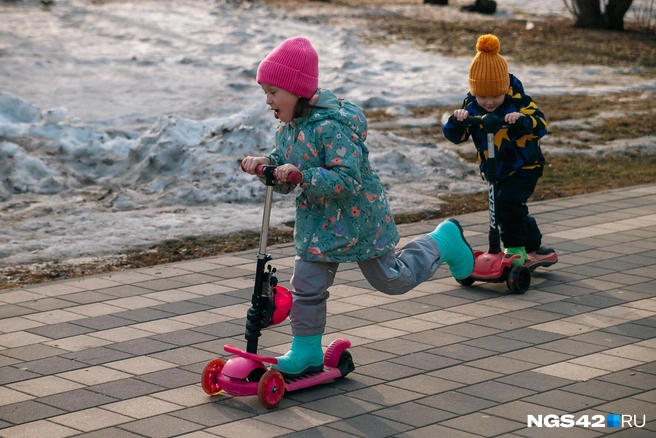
x=271, y=389
x=465, y=281
x=519, y=279
x=210, y=378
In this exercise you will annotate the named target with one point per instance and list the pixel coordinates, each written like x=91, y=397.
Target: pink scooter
x=246, y=373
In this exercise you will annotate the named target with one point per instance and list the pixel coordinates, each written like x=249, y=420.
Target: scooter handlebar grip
x=471, y=120
x=259, y=170
x=295, y=177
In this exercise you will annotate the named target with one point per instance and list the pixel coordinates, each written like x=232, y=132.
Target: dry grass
x=636, y=118
x=554, y=40
x=565, y=175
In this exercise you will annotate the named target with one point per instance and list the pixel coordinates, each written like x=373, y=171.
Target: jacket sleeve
x=340, y=176
x=454, y=131
x=535, y=125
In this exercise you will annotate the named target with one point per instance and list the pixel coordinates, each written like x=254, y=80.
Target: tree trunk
x=613, y=17
x=589, y=13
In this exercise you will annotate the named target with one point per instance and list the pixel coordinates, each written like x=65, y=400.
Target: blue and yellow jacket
x=517, y=145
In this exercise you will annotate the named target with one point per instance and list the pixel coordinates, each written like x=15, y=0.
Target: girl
x=341, y=213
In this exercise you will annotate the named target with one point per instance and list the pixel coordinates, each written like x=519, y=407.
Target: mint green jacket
x=342, y=214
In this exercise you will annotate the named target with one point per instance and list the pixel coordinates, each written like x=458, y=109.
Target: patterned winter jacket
x=517, y=145
x=342, y=214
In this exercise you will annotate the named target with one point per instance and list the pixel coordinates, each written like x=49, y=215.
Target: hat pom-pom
x=488, y=43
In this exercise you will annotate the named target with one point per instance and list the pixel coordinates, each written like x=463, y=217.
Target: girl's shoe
x=304, y=356
x=455, y=250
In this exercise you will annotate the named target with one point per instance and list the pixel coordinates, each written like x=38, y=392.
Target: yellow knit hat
x=488, y=72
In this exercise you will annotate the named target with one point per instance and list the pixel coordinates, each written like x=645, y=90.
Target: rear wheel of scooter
x=519, y=279
x=465, y=281
x=271, y=389
x=345, y=364
x=210, y=378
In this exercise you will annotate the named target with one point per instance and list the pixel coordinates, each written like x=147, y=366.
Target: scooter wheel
x=210, y=378
x=519, y=279
x=465, y=281
x=271, y=389
x=345, y=364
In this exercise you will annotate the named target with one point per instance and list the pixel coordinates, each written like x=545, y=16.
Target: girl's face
x=490, y=103
x=281, y=102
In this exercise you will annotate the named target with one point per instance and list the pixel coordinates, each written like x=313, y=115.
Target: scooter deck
x=494, y=268
x=240, y=386
x=312, y=378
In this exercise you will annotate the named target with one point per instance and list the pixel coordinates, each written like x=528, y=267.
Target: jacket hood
x=333, y=108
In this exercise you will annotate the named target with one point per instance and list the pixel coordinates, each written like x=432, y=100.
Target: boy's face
x=281, y=102
x=490, y=103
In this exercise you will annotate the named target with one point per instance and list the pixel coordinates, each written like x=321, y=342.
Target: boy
x=519, y=158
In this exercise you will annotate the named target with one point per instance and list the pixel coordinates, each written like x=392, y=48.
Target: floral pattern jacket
x=342, y=214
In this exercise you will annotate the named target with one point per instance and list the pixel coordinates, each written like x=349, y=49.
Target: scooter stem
x=264, y=237
x=490, y=122
x=262, y=308
x=261, y=305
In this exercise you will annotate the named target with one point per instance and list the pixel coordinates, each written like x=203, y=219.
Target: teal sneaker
x=454, y=248
x=304, y=356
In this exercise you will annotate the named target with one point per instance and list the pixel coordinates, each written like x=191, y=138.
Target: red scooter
x=246, y=373
x=494, y=266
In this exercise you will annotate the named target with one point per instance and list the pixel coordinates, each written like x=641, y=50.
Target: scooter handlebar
x=470, y=120
x=295, y=177
x=489, y=122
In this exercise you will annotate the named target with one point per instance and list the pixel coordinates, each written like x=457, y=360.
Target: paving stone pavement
x=120, y=355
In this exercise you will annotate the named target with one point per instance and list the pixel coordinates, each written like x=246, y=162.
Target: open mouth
x=276, y=113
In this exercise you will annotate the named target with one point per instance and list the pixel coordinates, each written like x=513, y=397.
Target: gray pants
x=393, y=273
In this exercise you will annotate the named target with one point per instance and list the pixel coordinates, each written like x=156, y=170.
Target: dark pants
x=516, y=227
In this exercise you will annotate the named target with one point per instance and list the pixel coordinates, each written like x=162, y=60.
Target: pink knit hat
x=292, y=66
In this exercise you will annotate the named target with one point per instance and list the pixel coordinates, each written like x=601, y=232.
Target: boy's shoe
x=454, y=248
x=520, y=251
x=304, y=356
x=543, y=250
x=542, y=257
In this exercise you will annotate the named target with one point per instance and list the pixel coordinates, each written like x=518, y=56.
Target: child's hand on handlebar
x=511, y=118
x=249, y=164
x=282, y=172
x=460, y=114
x=519, y=125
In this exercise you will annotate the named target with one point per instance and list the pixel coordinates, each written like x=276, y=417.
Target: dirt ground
x=552, y=40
